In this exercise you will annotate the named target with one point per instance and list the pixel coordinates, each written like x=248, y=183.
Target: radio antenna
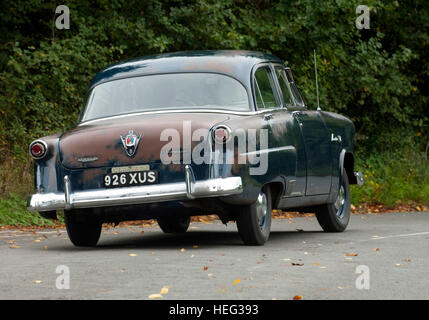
x=317, y=84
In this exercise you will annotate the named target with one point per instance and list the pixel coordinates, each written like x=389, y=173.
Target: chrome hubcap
x=341, y=199
x=261, y=208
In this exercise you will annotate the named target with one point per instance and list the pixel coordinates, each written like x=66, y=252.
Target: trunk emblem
x=131, y=142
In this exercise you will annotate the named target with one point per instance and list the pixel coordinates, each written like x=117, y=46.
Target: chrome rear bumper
x=189, y=189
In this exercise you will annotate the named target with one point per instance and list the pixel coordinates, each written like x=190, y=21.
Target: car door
x=296, y=186
x=317, y=141
x=282, y=145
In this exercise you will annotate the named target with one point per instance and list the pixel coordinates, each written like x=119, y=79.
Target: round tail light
x=221, y=134
x=38, y=149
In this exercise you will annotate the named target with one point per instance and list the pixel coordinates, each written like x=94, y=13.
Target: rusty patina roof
x=235, y=63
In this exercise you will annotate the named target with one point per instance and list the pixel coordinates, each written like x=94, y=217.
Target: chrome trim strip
x=268, y=150
x=238, y=113
x=135, y=195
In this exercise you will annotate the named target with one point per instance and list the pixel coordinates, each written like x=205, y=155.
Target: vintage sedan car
x=174, y=135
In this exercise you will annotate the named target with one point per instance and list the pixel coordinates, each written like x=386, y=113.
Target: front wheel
x=334, y=217
x=174, y=224
x=254, y=221
x=83, y=229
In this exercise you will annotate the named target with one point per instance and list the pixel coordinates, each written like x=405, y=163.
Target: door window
x=264, y=89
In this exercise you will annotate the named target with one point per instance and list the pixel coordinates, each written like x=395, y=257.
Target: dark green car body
x=306, y=153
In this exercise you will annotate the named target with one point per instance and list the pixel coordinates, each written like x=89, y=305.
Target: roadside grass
x=390, y=179
x=13, y=212
x=393, y=178
x=16, y=183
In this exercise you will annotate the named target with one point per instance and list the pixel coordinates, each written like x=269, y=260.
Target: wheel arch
x=277, y=189
x=347, y=163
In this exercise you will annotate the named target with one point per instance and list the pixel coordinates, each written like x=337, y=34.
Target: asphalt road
x=210, y=262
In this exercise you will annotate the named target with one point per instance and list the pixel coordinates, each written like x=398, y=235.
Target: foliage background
x=377, y=77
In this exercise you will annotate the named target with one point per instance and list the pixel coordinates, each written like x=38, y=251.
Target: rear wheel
x=334, y=217
x=174, y=224
x=82, y=227
x=254, y=221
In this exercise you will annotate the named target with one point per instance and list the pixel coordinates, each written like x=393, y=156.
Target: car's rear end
x=91, y=167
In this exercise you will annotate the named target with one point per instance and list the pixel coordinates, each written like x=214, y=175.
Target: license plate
x=125, y=179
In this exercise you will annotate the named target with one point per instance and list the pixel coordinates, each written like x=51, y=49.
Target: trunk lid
x=99, y=143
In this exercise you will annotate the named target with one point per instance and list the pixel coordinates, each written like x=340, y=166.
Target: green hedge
x=377, y=77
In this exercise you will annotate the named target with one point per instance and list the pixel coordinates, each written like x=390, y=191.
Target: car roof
x=235, y=63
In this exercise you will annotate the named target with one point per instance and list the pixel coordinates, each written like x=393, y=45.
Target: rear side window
x=264, y=89
x=284, y=86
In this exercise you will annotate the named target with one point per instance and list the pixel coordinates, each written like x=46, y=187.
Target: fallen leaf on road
x=316, y=264
x=406, y=260
x=182, y=250
x=155, y=296
x=297, y=297
x=164, y=290
x=142, y=232
x=286, y=259
x=297, y=264
x=14, y=247
x=205, y=268
x=133, y=255
x=350, y=254
x=377, y=249
x=236, y=281
x=37, y=281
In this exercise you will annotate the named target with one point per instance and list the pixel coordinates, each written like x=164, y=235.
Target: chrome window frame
x=273, y=86
x=280, y=92
x=291, y=81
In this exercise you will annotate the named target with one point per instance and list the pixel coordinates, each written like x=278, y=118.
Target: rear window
x=166, y=91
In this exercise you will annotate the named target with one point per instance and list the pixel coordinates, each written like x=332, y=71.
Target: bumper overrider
x=188, y=189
